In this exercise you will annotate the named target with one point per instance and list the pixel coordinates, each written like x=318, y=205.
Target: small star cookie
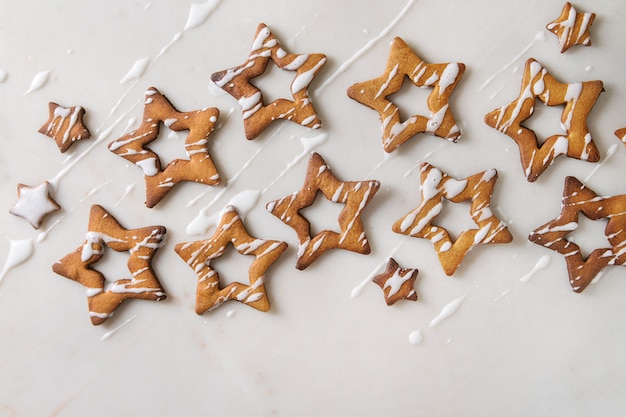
x=435, y=186
x=34, y=203
x=578, y=199
x=397, y=283
x=572, y=27
x=65, y=125
x=198, y=168
x=199, y=255
x=355, y=195
x=104, y=231
x=403, y=62
x=256, y=115
x=575, y=141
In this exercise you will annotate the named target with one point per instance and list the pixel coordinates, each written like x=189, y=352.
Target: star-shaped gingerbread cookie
x=572, y=27
x=397, y=283
x=65, y=125
x=578, y=199
x=404, y=63
x=257, y=115
x=134, y=146
x=34, y=203
x=435, y=186
x=575, y=141
x=199, y=255
x=141, y=244
x=355, y=195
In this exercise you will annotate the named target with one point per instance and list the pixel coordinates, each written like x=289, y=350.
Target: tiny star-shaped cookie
x=199, y=255
x=355, y=195
x=256, y=115
x=65, y=125
x=104, y=231
x=403, y=62
x=198, y=168
x=34, y=203
x=575, y=141
x=435, y=186
x=397, y=283
x=572, y=27
x=578, y=199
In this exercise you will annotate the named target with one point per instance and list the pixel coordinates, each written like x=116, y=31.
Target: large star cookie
x=572, y=27
x=65, y=125
x=355, y=195
x=199, y=255
x=34, y=203
x=397, y=283
x=141, y=244
x=403, y=62
x=575, y=141
x=256, y=115
x=577, y=199
x=435, y=186
x=160, y=181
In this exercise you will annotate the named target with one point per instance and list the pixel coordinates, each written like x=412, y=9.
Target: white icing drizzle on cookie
x=19, y=252
x=447, y=311
x=38, y=82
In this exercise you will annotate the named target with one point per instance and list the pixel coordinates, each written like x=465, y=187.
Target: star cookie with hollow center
x=65, y=125
x=256, y=114
x=397, y=283
x=199, y=167
x=404, y=63
x=577, y=200
x=435, y=186
x=355, y=195
x=34, y=203
x=200, y=254
x=575, y=141
x=141, y=244
x=572, y=27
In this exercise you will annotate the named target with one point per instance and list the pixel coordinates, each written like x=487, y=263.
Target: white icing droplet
x=199, y=12
x=588, y=68
x=416, y=337
x=542, y=263
x=38, y=81
x=3, y=75
x=19, y=252
x=230, y=313
x=447, y=311
x=137, y=70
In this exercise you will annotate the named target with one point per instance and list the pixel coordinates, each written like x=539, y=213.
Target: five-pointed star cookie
x=572, y=27
x=160, y=181
x=397, y=283
x=65, y=125
x=141, y=244
x=403, y=62
x=578, y=199
x=435, y=186
x=34, y=203
x=575, y=141
x=355, y=195
x=199, y=255
x=256, y=114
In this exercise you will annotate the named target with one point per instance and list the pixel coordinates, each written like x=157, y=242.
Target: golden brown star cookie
x=575, y=141
x=572, y=27
x=397, y=283
x=403, y=62
x=198, y=168
x=257, y=115
x=435, y=186
x=34, y=203
x=578, y=199
x=355, y=195
x=141, y=244
x=65, y=125
x=199, y=255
